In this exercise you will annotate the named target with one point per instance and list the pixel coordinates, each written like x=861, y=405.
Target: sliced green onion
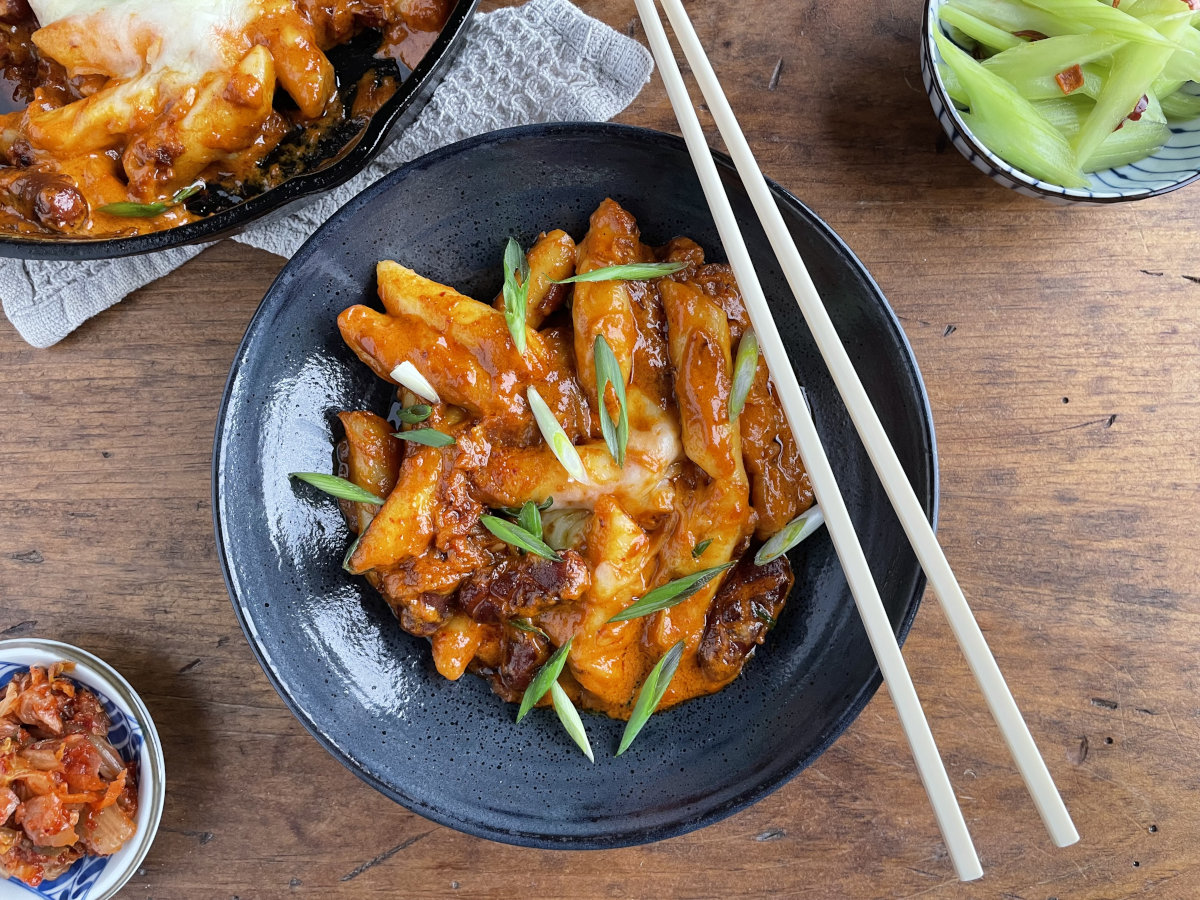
x=760, y=613
x=608, y=371
x=699, y=549
x=514, y=511
x=651, y=695
x=546, y=676
x=744, y=369
x=430, y=437
x=564, y=451
x=516, y=292
x=530, y=518
x=408, y=375
x=412, y=415
x=128, y=210
x=569, y=716
x=790, y=535
x=148, y=210
x=527, y=627
x=631, y=272
x=670, y=594
x=519, y=537
x=337, y=487
x=350, y=552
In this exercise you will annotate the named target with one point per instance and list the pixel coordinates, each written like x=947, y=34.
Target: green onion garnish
x=790, y=535
x=608, y=371
x=546, y=676
x=129, y=210
x=670, y=594
x=430, y=437
x=569, y=716
x=530, y=518
x=699, y=549
x=514, y=511
x=761, y=613
x=337, y=487
x=350, y=552
x=519, y=537
x=744, y=369
x=412, y=415
x=651, y=695
x=527, y=627
x=410, y=376
x=564, y=451
x=631, y=272
x=516, y=292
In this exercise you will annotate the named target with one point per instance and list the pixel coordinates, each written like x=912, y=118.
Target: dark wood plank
x=1060, y=347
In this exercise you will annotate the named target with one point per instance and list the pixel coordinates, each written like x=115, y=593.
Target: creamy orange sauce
x=695, y=487
x=132, y=102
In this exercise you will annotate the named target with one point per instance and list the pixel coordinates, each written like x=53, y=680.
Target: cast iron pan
x=347, y=157
x=368, y=691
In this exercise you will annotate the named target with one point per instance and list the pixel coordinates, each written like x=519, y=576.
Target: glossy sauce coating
x=111, y=121
x=693, y=490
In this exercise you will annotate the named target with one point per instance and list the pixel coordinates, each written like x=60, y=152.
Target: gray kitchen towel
x=542, y=62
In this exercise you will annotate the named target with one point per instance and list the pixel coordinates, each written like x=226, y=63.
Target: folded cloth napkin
x=542, y=62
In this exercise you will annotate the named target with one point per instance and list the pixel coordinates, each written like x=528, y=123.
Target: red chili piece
x=1070, y=79
x=1136, y=115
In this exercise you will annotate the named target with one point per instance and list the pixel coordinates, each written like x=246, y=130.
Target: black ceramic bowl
x=345, y=158
x=368, y=691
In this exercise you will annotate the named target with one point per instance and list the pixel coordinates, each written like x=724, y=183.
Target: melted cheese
x=126, y=38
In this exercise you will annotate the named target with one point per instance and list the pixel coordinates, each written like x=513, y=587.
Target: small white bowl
x=134, y=736
x=1175, y=165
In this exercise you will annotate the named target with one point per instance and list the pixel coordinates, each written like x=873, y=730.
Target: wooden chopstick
x=966, y=630
x=837, y=517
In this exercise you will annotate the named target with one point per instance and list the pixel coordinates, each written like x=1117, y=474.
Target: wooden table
x=1061, y=349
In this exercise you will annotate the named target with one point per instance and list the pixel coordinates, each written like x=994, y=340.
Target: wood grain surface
x=1061, y=349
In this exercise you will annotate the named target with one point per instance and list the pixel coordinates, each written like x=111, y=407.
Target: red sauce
x=65, y=792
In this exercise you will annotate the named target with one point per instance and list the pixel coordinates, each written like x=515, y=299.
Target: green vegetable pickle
x=1020, y=93
x=1008, y=123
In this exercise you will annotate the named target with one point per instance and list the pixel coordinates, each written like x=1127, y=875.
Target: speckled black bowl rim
x=229, y=221
x=1026, y=180
x=790, y=204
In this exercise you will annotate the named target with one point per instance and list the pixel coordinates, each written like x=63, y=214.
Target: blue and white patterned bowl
x=134, y=736
x=1175, y=165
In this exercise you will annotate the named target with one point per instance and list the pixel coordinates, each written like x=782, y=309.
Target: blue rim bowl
x=1174, y=166
x=135, y=738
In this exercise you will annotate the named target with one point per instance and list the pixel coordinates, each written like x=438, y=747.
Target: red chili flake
x=1136, y=115
x=1192, y=4
x=1142, y=106
x=1037, y=35
x=1070, y=79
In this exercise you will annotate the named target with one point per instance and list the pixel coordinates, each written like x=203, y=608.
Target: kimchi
x=65, y=791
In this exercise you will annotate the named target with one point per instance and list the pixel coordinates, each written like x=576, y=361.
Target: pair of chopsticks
x=837, y=519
